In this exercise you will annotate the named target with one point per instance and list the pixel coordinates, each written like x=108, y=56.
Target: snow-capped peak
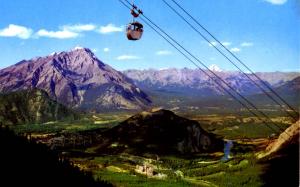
x=215, y=68
x=78, y=47
x=53, y=53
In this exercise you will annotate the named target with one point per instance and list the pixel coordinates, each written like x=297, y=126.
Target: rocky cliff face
x=77, y=79
x=31, y=106
x=287, y=138
x=160, y=132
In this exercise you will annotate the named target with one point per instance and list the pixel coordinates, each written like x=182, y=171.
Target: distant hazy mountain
x=31, y=106
x=160, y=132
x=292, y=86
x=289, y=91
x=75, y=78
x=278, y=78
x=193, y=81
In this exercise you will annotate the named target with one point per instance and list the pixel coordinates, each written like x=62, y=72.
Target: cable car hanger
x=134, y=30
x=133, y=11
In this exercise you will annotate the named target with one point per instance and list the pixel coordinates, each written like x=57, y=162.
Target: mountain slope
x=31, y=106
x=281, y=159
x=290, y=91
x=161, y=132
x=290, y=87
x=77, y=79
x=289, y=136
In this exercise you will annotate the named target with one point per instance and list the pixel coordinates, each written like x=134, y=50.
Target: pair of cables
x=213, y=76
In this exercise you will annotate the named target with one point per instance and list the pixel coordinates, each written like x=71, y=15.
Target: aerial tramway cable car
x=134, y=30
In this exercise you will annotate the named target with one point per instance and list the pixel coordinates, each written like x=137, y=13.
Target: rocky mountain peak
x=79, y=60
x=76, y=78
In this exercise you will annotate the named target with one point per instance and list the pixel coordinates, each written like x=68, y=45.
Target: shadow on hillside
x=26, y=163
x=282, y=169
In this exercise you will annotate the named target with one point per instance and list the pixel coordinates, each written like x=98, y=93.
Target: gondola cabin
x=134, y=31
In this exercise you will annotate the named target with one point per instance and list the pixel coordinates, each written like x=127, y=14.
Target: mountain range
x=75, y=78
x=195, y=82
x=78, y=79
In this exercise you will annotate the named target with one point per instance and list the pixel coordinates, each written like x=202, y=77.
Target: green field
x=203, y=170
x=85, y=123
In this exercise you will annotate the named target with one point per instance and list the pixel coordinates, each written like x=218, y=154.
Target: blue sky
x=263, y=33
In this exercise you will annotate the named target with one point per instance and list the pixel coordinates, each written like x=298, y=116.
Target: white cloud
x=246, y=44
x=79, y=27
x=214, y=67
x=163, y=52
x=213, y=44
x=16, y=31
x=95, y=50
x=106, y=49
x=226, y=43
x=128, y=57
x=66, y=31
x=276, y=2
x=110, y=28
x=235, y=49
x=62, y=34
